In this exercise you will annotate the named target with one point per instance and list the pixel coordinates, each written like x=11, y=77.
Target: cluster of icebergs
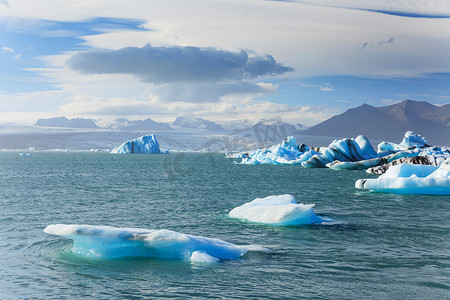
x=345, y=153
x=112, y=242
x=358, y=154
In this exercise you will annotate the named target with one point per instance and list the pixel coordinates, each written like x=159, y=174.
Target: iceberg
x=285, y=153
x=343, y=150
x=281, y=210
x=411, y=179
x=113, y=242
x=433, y=160
x=146, y=144
x=410, y=140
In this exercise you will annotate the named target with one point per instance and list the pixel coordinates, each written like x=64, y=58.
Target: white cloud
x=326, y=87
x=7, y=49
x=314, y=40
x=415, y=7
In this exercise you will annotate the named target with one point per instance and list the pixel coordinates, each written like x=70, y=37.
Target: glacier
x=114, y=242
x=411, y=179
x=279, y=210
x=146, y=144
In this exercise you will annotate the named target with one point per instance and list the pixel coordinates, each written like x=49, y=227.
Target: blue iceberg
x=113, y=242
x=285, y=153
x=146, y=144
x=281, y=210
x=343, y=150
x=411, y=179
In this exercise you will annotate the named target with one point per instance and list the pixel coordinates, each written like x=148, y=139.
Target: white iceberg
x=113, y=242
x=146, y=144
x=280, y=210
x=411, y=179
x=410, y=140
x=285, y=153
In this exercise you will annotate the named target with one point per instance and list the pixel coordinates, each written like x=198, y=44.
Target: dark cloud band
x=177, y=64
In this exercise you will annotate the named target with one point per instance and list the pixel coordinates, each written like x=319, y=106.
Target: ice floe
x=146, y=144
x=113, y=242
x=411, y=179
x=281, y=210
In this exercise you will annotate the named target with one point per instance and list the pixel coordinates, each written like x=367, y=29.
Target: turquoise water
x=379, y=245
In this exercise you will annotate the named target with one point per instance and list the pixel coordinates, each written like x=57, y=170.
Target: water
x=380, y=245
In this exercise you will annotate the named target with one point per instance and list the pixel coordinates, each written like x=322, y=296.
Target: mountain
x=66, y=123
x=196, y=123
x=147, y=124
x=389, y=123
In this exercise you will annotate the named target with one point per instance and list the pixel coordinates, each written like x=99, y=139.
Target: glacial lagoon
x=376, y=246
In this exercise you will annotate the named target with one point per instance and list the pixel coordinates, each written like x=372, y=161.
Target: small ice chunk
x=276, y=210
x=203, y=257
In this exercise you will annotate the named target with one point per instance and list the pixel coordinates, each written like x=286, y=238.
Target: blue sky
x=303, y=61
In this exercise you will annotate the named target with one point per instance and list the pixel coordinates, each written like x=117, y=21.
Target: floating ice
x=145, y=144
x=287, y=153
x=280, y=210
x=113, y=242
x=344, y=150
x=411, y=179
x=410, y=140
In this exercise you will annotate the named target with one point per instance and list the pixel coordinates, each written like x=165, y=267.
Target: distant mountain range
x=147, y=124
x=196, y=123
x=389, y=123
x=67, y=123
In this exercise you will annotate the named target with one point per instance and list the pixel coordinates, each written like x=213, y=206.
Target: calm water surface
x=380, y=245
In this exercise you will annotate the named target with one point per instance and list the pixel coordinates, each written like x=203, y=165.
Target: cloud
x=326, y=87
x=177, y=64
x=209, y=92
x=4, y=3
x=6, y=49
x=411, y=8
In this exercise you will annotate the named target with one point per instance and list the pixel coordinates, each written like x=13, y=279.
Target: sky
x=301, y=61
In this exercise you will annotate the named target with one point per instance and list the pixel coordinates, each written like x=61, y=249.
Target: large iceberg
x=280, y=210
x=411, y=179
x=343, y=150
x=146, y=144
x=113, y=242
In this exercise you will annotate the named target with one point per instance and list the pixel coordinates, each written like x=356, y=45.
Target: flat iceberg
x=411, y=179
x=281, y=210
x=146, y=144
x=113, y=242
